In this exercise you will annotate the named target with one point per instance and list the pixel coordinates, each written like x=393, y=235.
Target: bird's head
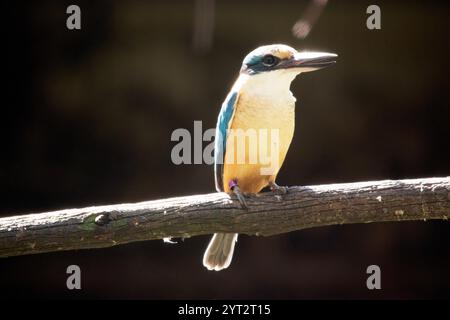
x=269, y=70
x=279, y=58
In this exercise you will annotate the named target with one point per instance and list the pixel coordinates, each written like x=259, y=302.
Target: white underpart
x=269, y=85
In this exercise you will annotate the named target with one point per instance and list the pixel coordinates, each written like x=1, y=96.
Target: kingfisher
x=260, y=100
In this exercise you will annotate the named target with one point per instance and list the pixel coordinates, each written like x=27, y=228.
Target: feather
x=223, y=124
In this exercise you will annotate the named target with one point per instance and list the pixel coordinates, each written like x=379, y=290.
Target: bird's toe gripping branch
x=239, y=195
x=278, y=190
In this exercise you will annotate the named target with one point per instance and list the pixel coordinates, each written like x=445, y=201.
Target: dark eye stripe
x=261, y=63
x=270, y=60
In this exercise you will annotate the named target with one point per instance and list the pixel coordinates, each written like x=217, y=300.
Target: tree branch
x=268, y=214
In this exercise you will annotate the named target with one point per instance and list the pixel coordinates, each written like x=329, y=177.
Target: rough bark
x=268, y=214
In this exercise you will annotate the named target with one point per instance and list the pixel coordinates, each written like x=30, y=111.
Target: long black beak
x=310, y=61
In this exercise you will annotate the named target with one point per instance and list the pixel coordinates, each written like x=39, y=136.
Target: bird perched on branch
x=254, y=130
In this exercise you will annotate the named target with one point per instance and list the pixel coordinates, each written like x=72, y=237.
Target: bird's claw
x=278, y=190
x=240, y=196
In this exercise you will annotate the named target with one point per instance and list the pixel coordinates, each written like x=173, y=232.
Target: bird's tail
x=219, y=253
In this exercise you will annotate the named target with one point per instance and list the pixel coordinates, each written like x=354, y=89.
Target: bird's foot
x=278, y=190
x=239, y=195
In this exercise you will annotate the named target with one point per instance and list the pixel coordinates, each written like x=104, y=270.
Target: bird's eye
x=269, y=60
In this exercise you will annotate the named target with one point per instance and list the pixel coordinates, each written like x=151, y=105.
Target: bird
x=260, y=99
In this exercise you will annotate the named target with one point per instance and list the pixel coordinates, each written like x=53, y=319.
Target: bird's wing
x=223, y=124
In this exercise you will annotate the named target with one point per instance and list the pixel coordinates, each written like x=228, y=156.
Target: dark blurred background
x=87, y=117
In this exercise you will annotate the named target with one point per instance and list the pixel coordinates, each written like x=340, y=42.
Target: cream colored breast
x=265, y=102
x=260, y=108
x=267, y=116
